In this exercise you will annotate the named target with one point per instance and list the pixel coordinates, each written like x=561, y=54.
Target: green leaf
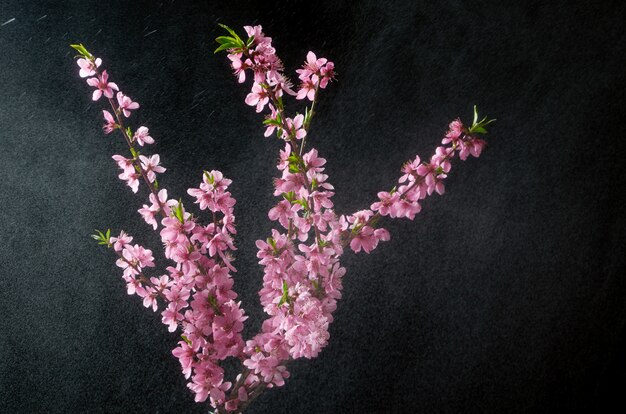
x=178, y=211
x=209, y=177
x=231, y=31
x=101, y=238
x=82, y=50
x=285, y=297
x=249, y=42
x=289, y=196
x=272, y=243
x=213, y=301
x=479, y=126
x=224, y=39
x=187, y=341
x=224, y=47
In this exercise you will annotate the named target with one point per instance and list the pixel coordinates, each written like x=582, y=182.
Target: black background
x=505, y=295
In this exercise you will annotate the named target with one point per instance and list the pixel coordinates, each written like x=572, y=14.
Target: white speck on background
x=149, y=33
x=42, y=17
x=8, y=21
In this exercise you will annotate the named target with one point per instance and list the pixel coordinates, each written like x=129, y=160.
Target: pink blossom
x=110, y=124
x=142, y=136
x=151, y=166
x=126, y=104
x=455, y=130
x=306, y=90
x=270, y=128
x=120, y=241
x=126, y=164
x=282, y=212
x=296, y=127
x=239, y=66
x=386, y=204
x=88, y=67
x=473, y=146
x=132, y=179
x=258, y=97
x=102, y=86
x=171, y=317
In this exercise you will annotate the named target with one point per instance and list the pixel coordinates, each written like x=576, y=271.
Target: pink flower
x=120, y=241
x=327, y=73
x=311, y=66
x=142, y=136
x=282, y=212
x=126, y=104
x=126, y=164
x=132, y=179
x=102, y=86
x=295, y=126
x=171, y=317
x=307, y=90
x=110, y=124
x=148, y=214
x=239, y=66
x=258, y=97
x=273, y=116
x=454, y=132
x=473, y=146
x=386, y=203
x=410, y=170
x=151, y=166
x=88, y=67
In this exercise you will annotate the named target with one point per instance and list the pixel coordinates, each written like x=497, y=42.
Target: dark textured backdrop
x=505, y=295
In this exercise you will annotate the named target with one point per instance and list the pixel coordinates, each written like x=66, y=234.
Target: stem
x=308, y=123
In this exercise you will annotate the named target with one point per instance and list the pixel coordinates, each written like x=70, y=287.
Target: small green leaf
x=289, y=196
x=285, y=297
x=224, y=40
x=187, y=341
x=231, y=31
x=213, y=301
x=224, y=47
x=82, y=50
x=178, y=211
x=209, y=177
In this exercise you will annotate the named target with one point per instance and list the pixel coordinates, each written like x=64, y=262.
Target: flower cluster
x=302, y=271
x=195, y=292
x=302, y=279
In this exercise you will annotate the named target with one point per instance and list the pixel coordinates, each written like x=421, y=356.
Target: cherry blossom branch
x=302, y=279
